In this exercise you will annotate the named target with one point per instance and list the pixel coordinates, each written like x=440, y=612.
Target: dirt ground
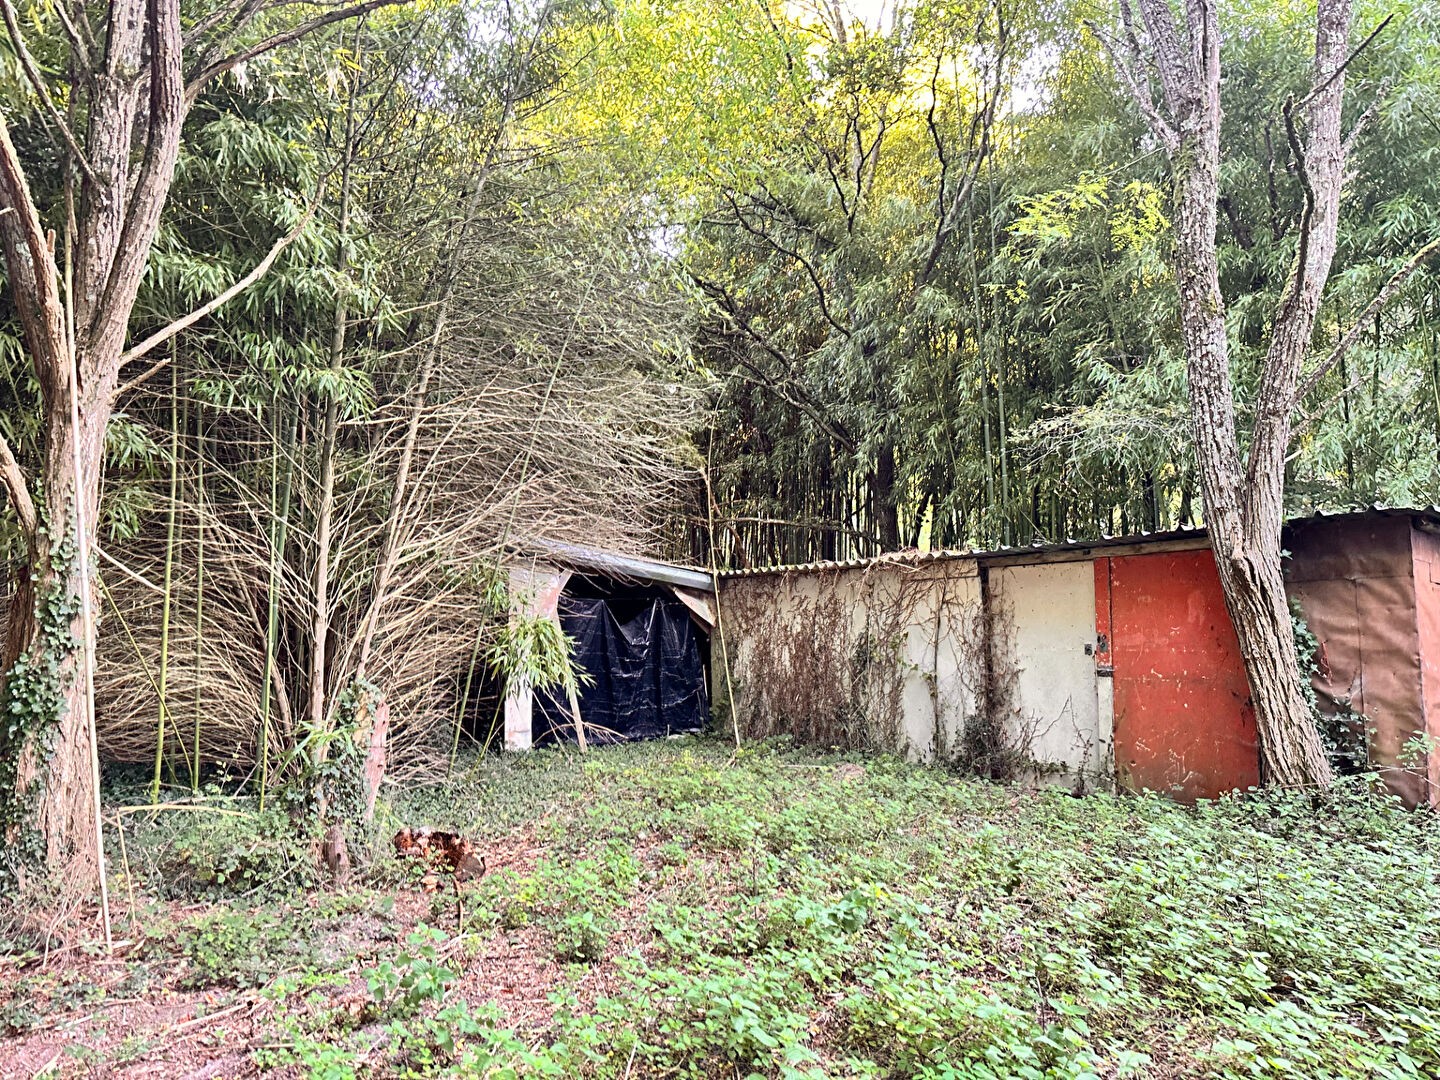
x=180, y=1034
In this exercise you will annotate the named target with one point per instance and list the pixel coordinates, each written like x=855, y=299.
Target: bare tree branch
x=32, y=73
x=82, y=41
x=33, y=278
x=1162, y=128
x=1307, y=213
x=1182, y=76
x=1364, y=120
x=19, y=489
x=151, y=186
x=1320, y=168
x=982, y=121
x=248, y=10
x=220, y=299
x=804, y=402
x=793, y=254
x=1339, y=71
x=1378, y=304
x=295, y=33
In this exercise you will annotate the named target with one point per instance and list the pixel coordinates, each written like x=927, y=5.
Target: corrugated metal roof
x=915, y=558
x=614, y=565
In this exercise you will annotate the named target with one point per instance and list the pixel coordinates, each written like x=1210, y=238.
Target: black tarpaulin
x=646, y=679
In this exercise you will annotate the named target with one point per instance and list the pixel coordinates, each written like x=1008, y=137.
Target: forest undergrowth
x=682, y=909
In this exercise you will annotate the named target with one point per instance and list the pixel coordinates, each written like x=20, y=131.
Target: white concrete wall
x=882, y=654
x=1044, y=644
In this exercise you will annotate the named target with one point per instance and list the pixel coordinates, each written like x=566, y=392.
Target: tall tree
x=1244, y=488
x=133, y=75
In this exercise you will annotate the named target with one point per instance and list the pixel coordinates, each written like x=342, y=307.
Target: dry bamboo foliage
x=544, y=418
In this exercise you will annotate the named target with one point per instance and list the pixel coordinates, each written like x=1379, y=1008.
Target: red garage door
x=1184, y=724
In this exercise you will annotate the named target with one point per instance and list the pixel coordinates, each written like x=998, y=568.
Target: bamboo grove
x=943, y=311
x=309, y=493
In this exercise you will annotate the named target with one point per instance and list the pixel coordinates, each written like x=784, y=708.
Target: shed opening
x=642, y=663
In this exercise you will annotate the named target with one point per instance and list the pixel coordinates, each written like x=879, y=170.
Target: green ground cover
x=680, y=909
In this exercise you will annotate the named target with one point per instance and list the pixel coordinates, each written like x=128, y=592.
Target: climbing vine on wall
x=818, y=666
x=895, y=656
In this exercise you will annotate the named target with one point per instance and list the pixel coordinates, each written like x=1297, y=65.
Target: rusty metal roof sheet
x=615, y=565
x=914, y=558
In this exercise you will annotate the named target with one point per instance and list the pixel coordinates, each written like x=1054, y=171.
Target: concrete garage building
x=1094, y=665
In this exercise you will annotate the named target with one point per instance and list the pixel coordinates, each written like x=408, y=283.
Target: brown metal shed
x=1366, y=584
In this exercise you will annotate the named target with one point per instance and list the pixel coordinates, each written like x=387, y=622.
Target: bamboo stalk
x=1433, y=347
x=199, y=590
x=719, y=618
x=169, y=578
x=984, y=380
x=465, y=696
x=1001, y=355
x=279, y=538
x=325, y=515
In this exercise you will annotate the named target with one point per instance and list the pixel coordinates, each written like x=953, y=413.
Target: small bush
x=237, y=949
x=579, y=939
x=235, y=853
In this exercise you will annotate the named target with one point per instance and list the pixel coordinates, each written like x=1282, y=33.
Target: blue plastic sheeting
x=646, y=678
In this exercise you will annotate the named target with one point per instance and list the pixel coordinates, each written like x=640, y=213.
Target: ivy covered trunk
x=46, y=770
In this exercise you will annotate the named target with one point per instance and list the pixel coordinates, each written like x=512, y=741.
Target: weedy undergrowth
x=690, y=910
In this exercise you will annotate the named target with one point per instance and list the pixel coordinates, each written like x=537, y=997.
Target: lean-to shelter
x=640, y=630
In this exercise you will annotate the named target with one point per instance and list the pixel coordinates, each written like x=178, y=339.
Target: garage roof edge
x=615, y=565
x=914, y=558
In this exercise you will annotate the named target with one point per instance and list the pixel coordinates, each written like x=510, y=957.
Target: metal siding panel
x=1048, y=616
x=1427, y=604
x=1391, y=676
x=1330, y=549
x=1184, y=724
x=1331, y=609
x=1356, y=583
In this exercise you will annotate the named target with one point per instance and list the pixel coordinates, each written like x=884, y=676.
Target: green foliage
x=534, y=650
x=1345, y=734
x=1007, y=366
x=239, y=949
x=765, y=913
x=579, y=939
x=945, y=928
x=36, y=996
x=32, y=702
x=233, y=852
x=401, y=986
x=328, y=762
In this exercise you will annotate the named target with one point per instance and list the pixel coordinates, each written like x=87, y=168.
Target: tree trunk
x=1255, y=597
x=887, y=512
x=1244, y=502
x=53, y=800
